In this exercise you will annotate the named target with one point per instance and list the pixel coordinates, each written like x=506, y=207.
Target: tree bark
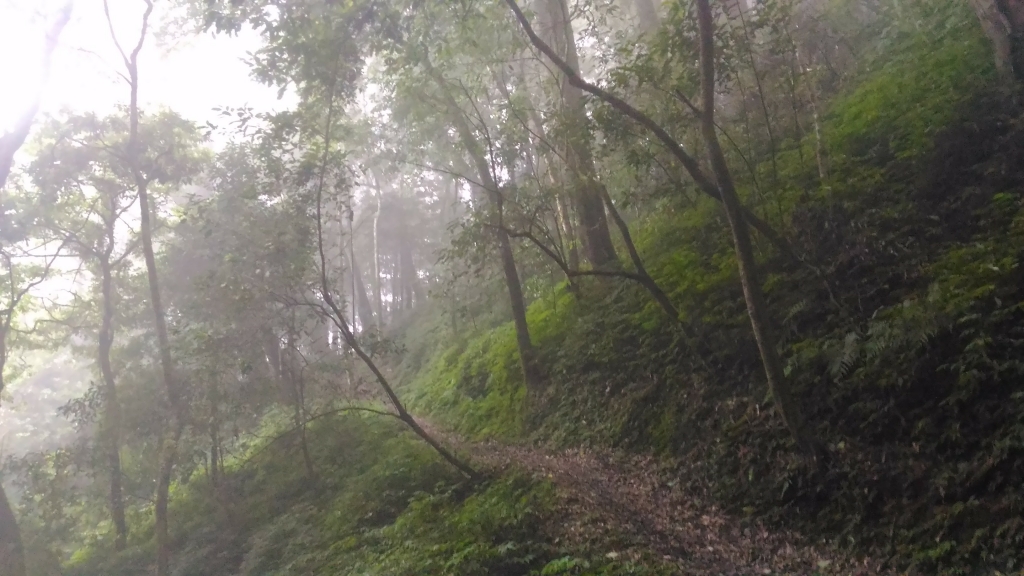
x=12, y=552
x=215, y=449
x=1003, y=23
x=527, y=355
x=563, y=217
x=598, y=245
x=298, y=393
x=171, y=437
x=112, y=409
x=787, y=406
x=363, y=307
x=411, y=275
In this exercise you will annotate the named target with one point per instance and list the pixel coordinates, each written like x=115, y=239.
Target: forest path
x=628, y=507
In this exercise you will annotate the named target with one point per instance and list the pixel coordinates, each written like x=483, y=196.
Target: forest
x=519, y=287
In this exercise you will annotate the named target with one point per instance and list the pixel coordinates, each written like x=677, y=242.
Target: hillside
x=562, y=288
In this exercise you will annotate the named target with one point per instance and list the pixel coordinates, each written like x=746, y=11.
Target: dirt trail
x=626, y=507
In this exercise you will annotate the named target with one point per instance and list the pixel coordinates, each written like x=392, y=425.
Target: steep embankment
x=900, y=330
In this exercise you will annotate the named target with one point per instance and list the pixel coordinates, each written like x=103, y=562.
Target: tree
x=577, y=148
x=760, y=321
x=723, y=190
x=93, y=191
x=1003, y=23
x=173, y=388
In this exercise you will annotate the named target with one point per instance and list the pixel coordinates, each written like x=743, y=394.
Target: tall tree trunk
x=396, y=289
x=170, y=438
x=564, y=213
x=565, y=220
x=214, y=425
x=362, y=300
x=411, y=280
x=168, y=454
x=1003, y=23
x=787, y=406
x=12, y=552
x=112, y=409
x=297, y=387
x=378, y=300
x=597, y=239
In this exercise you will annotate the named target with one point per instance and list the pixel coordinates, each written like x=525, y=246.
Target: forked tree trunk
x=787, y=405
x=172, y=434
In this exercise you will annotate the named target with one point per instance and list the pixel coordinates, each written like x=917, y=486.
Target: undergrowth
x=901, y=335
x=381, y=503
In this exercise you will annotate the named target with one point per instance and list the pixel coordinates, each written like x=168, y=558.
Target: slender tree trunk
x=363, y=306
x=1003, y=23
x=214, y=457
x=168, y=455
x=819, y=141
x=112, y=409
x=215, y=450
x=169, y=441
x=272, y=350
x=395, y=306
x=644, y=278
x=412, y=282
x=762, y=96
x=787, y=406
x=564, y=214
x=527, y=356
x=376, y=261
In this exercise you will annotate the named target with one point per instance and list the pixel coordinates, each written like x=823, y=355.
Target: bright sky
x=189, y=74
